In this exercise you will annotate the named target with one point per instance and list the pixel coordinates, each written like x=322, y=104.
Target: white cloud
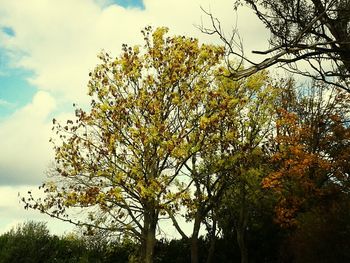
x=59, y=40
x=6, y=104
x=25, y=147
x=12, y=212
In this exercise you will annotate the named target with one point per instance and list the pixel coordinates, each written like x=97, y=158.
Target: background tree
x=246, y=130
x=28, y=242
x=32, y=242
x=122, y=160
x=312, y=149
x=237, y=120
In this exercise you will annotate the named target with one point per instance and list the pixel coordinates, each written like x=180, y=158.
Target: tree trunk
x=242, y=246
x=194, y=239
x=149, y=237
x=242, y=225
x=212, y=244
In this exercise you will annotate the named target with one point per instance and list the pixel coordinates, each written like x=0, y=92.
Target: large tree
x=313, y=31
x=123, y=160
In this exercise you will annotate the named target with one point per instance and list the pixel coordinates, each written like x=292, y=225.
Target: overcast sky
x=47, y=49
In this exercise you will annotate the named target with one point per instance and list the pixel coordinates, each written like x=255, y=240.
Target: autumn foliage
x=312, y=151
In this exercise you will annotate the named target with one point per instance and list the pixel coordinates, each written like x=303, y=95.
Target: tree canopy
x=124, y=158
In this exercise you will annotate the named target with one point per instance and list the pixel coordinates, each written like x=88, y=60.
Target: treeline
x=32, y=242
x=315, y=242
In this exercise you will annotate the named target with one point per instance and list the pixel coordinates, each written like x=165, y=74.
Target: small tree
x=27, y=242
x=122, y=160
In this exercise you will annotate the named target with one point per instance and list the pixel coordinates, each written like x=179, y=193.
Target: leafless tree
x=314, y=31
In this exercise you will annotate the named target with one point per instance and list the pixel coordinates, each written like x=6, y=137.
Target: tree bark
x=212, y=244
x=242, y=225
x=149, y=237
x=242, y=246
x=194, y=239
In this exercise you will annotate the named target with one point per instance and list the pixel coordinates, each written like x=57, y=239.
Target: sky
x=48, y=48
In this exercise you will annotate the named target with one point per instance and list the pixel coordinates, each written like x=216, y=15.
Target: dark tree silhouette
x=314, y=31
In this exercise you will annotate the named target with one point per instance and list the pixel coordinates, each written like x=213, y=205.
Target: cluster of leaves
x=133, y=143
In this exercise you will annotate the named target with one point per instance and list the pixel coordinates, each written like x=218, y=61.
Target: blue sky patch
x=15, y=91
x=8, y=31
x=130, y=3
